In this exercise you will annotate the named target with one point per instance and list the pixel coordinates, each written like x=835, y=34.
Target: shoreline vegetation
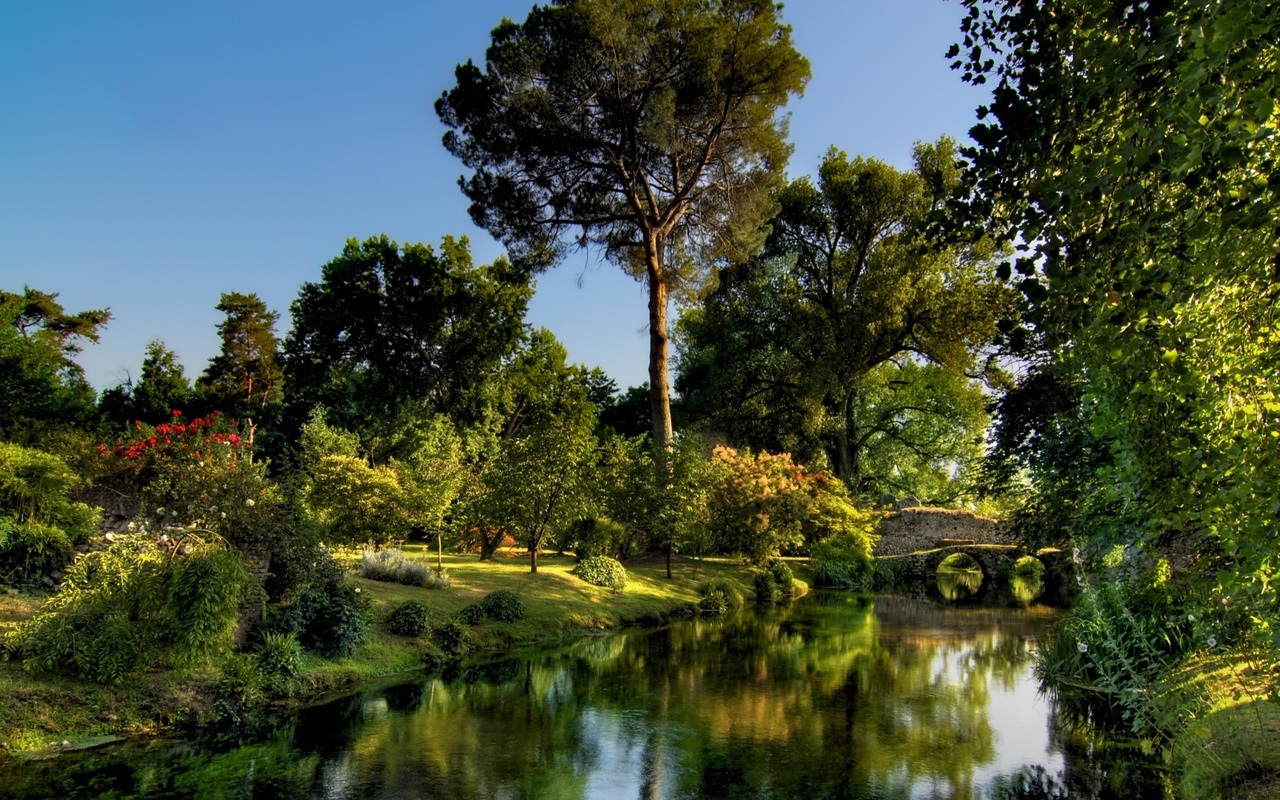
x=46, y=713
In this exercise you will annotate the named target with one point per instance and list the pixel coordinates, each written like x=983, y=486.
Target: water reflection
x=829, y=698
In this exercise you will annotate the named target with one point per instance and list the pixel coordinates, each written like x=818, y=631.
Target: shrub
x=842, y=562
x=332, y=617
x=453, y=638
x=390, y=566
x=593, y=537
x=279, y=654
x=408, y=619
x=472, y=614
x=718, y=596
x=239, y=691
x=765, y=587
x=30, y=551
x=137, y=603
x=503, y=606
x=782, y=574
x=602, y=571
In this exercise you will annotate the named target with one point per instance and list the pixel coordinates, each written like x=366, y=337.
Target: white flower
x=249, y=502
x=1191, y=618
x=224, y=515
x=1213, y=642
x=1080, y=580
x=159, y=512
x=1226, y=600
x=1075, y=555
x=1082, y=647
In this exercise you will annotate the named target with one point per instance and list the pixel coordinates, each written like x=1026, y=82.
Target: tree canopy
x=648, y=130
x=827, y=344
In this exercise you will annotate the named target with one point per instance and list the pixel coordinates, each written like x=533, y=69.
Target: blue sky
x=154, y=155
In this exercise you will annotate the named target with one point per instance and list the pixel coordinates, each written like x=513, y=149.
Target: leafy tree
x=39, y=523
x=537, y=483
x=389, y=324
x=41, y=386
x=161, y=390
x=650, y=130
x=1130, y=150
x=831, y=344
x=245, y=375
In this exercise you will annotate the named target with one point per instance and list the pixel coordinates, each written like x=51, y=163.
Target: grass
x=41, y=711
x=1231, y=750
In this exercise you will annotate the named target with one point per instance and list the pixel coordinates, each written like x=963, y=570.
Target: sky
x=154, y=155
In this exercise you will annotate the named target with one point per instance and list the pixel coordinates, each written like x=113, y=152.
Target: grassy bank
x=1231, y=749
x=43, y=711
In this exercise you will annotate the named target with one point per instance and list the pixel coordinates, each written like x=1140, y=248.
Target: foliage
x=758, y=503
x=408, y=619
x=161, y=387
x=503, y=606
x=39, y=525
x=1130, y=149
x=240, y=689
x=842, y=562
x=388, y=324
x=349, y=501
x=851, y=339
x=718, y=596
x=536, y=484
x=333, y=617
x=470, y=614
x=590, y=537
x=602, y=571
x=142, y=601
x=390, y=565
x=279, y=655
x=765, y=588
x=245, y=375
x=453, y=638
x=198, y=474
x=650, y=130
x=42, y=389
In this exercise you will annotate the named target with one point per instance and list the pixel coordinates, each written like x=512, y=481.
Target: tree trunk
x=533, y=557
x=846, y=439
x=659, y=392
x=669, y=549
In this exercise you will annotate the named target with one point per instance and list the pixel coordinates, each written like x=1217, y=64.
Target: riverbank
x=44, y=713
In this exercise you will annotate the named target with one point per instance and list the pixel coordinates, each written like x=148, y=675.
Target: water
x=831, y=697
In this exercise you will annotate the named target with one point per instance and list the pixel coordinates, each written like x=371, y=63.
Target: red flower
x=177, y=413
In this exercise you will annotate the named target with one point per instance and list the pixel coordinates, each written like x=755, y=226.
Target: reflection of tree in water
x=829, y=698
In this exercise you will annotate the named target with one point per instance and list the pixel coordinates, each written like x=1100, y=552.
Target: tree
x=649, y=130
x=163, y=387
x=537, y=483
x=808, y=348
x=41, y=386
x=1130, y=150
x=245, y=375
x=389, y=324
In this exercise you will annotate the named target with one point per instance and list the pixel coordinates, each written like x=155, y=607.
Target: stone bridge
x=993, y=558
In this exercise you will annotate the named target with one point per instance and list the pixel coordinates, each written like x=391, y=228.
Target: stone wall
x=910, y=529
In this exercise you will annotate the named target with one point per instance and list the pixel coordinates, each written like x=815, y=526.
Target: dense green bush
x=240, y=690
x=842, y=562
x=408, y=619
x=140, y=602
x=765, y=588
x=718, y=596
x=471, y=614
x=503, y=606
x=592, y=537
x=602, y=571
x=279, y=654
x=29, y=552
x=332, y=618
x=453, y=638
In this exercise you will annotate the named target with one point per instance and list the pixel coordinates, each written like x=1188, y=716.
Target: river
x=829, y=697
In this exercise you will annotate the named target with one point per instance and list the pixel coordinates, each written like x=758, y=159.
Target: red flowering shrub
x=198, y=474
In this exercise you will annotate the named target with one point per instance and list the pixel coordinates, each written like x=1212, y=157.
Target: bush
x=279, y=654
x=239, y=691
x=471, y=615
x=453, y=638
x=30, y=551
x=765, y=587
x=602, y=571
x=503, y=606
x=390, y=566
x=332, y=618
x=718, y=596
x=782, y=574
x=842, y=563
x=408, y=619
x=594, y=537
